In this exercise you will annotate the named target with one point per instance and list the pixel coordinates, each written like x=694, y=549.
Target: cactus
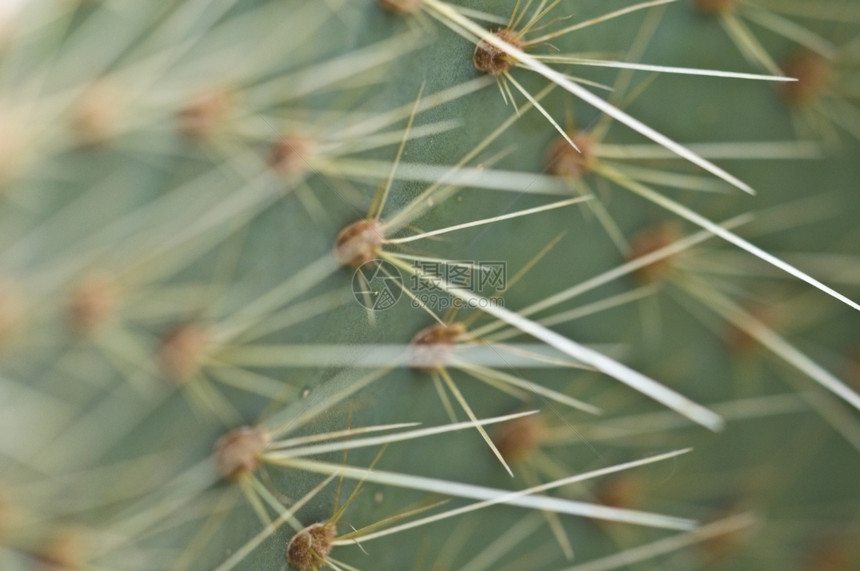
x=409, y=284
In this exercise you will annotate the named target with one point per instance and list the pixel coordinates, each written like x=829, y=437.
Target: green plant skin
x=792, y=467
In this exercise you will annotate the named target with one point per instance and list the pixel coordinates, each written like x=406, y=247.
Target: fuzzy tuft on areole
x=93, y=302
x=97, y=113
x=518, y=439
x=290, y=155
x=310, y=547
x=358, y=243
x=205, y=113
x=431, y=347
x=724, y=547
x=622, y=491
x=65, y=549
x=400, y=6
x=490, y=59
x=739, y=342
x=182, y=349
x=715, y=6
x=239, y=451
x=812, y=73
x=572, y=163
x=650, y=240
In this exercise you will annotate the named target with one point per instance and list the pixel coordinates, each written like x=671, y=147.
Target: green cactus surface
x=487, y=285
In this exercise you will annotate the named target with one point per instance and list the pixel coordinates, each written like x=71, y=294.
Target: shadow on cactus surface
x=295, y=285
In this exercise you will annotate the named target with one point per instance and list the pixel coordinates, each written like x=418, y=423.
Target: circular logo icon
x=377, y=285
